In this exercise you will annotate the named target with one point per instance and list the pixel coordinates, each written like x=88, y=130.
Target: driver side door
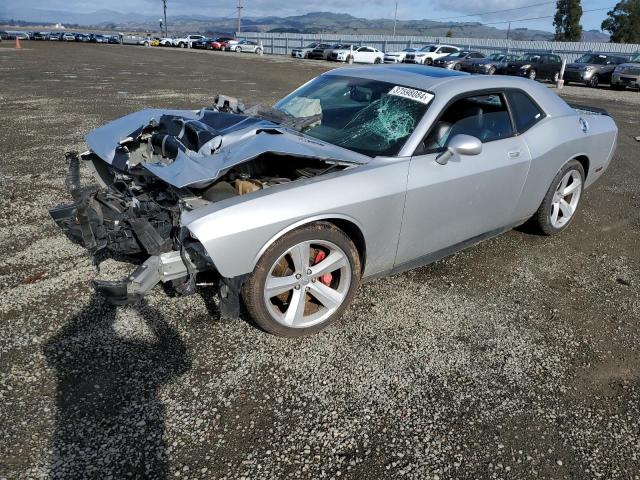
x=470, y=197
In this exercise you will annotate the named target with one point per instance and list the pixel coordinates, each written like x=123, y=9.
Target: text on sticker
x=417, y=95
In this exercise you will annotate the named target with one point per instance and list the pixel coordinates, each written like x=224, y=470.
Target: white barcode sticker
x=411, y=93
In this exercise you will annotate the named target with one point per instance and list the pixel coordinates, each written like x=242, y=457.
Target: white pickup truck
x=186, y=42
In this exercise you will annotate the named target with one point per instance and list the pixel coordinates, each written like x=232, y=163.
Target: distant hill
x=312, y=23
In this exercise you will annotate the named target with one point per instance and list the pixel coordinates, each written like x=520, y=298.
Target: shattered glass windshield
x=367, y=116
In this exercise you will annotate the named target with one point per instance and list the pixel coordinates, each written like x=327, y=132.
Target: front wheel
x=428, y=61
x=492, y=70
x=304, y=281
x=377, y=61
x=594, y=81
x=238, y=49
x=457, y=66
x=258, y=51
x=532, y=74
x=561, y=201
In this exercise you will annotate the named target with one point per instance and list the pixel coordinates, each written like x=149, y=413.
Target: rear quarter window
x=526, y=113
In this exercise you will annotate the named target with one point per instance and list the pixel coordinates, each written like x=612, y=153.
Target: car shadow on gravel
x=110, y=363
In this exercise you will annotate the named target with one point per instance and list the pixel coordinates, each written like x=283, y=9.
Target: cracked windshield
x=370, y=117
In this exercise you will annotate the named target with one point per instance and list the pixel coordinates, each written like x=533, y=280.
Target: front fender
x=236, y=232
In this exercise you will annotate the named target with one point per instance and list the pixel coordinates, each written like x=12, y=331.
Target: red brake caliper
x=327, y=277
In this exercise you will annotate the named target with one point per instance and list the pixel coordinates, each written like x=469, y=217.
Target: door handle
x=514, y=153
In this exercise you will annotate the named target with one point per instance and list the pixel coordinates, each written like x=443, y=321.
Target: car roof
x=445, y=84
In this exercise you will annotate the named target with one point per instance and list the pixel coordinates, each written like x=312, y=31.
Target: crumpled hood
x=208, y=143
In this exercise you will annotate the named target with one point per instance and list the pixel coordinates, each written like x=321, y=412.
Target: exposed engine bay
x=138, y=213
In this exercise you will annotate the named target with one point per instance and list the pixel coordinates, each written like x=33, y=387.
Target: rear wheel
x=258, y=51
x=304, y=281
x=377, y=61
x=457, y=66
x=238, y=49
x=561, y=201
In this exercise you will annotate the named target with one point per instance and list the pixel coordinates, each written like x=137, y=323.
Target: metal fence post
x=286, y=45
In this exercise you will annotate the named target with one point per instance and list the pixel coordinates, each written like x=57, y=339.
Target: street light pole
x=395, y=20
x=239, y=7
x=164, y=5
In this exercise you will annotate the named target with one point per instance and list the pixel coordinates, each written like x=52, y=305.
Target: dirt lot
x=518, y=358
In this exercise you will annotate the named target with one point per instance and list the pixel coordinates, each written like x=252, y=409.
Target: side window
x=525, y=111
x=483, y=116
x=476, y=55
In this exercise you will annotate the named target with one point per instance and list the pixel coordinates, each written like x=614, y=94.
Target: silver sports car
x=359, y=173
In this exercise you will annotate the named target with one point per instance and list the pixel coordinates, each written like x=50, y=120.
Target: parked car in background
x=491, y=65
x=458, y=60
x=397, y=57
x=303, y=52
x=427, y=55
x=627, y=74
x=221, y=43
x=39, y=36
x=247, y=46
x=229, y=44
x=101, y=39
x=203, y=44
x=322, y=51
x=166, y=42
x=81, y=37
x=536, y=65
x=68, y=37
x=355, y=54
x=54, y=36
x=290, y=209
x=592, y=69
x=186, y=42
x=113, y=39
x=4, y=35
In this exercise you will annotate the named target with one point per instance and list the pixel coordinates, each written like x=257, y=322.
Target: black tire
x=457, y=66
x=258, y=51
x=253, y=290
x=531, y=74
x=377, y=61
x=492, y=70
x=594, y=81
x=542, y=218
x=428, y=61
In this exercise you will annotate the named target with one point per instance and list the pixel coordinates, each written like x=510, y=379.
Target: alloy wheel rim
x=565, y=199
x=305, y=287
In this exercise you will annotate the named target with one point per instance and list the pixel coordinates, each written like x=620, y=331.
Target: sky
x=407, y=9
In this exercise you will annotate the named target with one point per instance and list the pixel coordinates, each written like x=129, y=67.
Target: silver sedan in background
x=360, y=173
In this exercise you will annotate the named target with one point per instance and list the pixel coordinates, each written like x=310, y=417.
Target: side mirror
x=460, y=145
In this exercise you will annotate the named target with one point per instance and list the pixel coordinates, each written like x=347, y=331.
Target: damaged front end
x=154, y=166
x=127, y=219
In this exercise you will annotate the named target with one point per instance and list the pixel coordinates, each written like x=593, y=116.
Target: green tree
x=567, y=21
x=623, y=22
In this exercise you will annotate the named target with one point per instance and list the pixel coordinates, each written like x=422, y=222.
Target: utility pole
x=395, y=20
x=239, y=7
x=164, y=5
x=508, y=30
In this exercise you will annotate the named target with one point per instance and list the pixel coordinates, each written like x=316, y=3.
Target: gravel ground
x=517, y=358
